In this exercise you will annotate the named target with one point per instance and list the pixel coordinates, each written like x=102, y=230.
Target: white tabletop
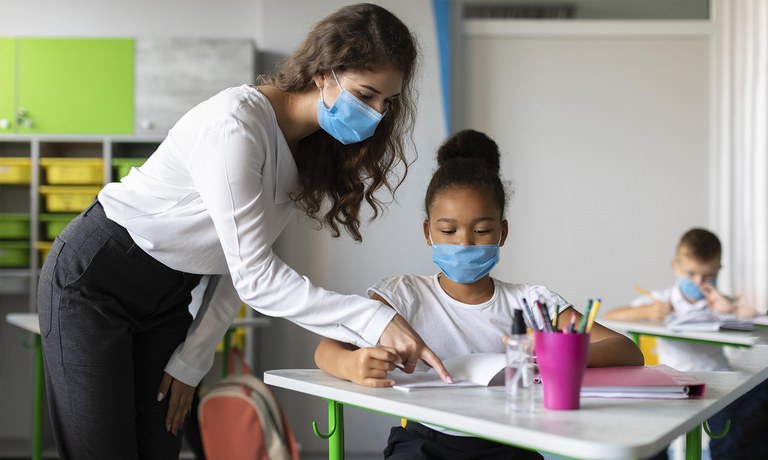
x=658, y=329
x=29, y=321
x=601, y=429
x=26, y=321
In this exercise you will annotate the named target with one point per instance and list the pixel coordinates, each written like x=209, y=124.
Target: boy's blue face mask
x=349, y=120
x=690, y=289
x=465, y=264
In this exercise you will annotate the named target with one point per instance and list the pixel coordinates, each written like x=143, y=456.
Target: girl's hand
x=716, y=300
x=180, y=403
x=369, y=366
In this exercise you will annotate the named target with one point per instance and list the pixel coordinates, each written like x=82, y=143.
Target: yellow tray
x=73, y=170
x=68, y=198
x=15, y=170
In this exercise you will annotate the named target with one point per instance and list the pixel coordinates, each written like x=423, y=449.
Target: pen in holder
x=562, y=359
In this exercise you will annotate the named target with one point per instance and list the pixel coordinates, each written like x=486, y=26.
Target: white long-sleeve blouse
x=212, y=200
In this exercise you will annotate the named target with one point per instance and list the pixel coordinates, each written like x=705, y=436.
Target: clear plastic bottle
x=518, y=376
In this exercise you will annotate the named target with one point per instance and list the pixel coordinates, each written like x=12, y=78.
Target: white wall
x=606, y=143
x=145, y=18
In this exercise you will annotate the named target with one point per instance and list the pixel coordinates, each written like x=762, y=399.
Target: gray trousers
x=110, y=317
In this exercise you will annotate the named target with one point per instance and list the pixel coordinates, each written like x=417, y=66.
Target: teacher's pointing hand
x=411, y=348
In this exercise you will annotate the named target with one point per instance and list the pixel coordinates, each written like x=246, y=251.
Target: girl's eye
x=482, y=232
x=447, y=231
x=364, y=96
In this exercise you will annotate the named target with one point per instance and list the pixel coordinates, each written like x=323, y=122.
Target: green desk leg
x=693, y=444
x=37, y=416
x=335, y=435
x=225, y=355
x=336, y=441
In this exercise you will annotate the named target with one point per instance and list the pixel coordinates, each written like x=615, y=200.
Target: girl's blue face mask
x=349, y=120
x=465, y=263
x=690, y=289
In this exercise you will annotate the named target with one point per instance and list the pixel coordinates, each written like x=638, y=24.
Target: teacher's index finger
x=429, y=357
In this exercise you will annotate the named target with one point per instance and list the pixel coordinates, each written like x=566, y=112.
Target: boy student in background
x=696, y=266
x=461, y=309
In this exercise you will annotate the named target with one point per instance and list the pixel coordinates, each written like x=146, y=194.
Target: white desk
x=657, y=329
x=29, y=322
x=601, y=429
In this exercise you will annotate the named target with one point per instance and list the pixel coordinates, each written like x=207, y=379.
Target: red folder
x=657, y=382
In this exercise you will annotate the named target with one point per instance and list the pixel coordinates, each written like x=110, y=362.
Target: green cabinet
x=68, y=85
x=7, y=84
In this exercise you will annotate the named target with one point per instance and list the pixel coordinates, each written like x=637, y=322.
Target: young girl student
x=461, y=309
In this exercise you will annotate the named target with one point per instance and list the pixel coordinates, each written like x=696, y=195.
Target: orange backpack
x=240, y=419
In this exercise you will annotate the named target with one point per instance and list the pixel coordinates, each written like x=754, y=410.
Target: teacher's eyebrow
x=371, y=88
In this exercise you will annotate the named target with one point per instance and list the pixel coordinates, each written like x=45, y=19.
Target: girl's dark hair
x=336, y=178
x=468, y=159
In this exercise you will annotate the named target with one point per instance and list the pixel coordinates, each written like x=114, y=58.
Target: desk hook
x=726, y=428
x=331, y=430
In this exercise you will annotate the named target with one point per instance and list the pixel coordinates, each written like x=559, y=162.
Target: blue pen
x=359, y=341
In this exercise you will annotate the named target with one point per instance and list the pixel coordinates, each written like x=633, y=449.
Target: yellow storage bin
x=73, y=170
x=15, y=170
x=43, y=247
x=68, y=199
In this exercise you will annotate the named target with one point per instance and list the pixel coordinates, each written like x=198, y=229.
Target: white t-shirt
x=685, y=356
x=452, y=328
x=212, y=200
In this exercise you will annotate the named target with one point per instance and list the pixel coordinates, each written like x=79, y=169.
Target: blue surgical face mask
x=690, y=289
x=349, y=120
x=465, y=263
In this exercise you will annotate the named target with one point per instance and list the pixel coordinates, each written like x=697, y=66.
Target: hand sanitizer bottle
x=518, y=376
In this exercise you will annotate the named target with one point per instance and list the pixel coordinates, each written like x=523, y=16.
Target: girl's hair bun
x=472, y=145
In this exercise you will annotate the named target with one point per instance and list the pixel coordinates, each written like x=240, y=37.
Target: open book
x=706, y=321
x=656, y=382
x=477, y=369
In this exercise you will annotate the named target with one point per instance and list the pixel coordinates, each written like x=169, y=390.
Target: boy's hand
x=660, y=310
x=716, y=300
x=369, y=366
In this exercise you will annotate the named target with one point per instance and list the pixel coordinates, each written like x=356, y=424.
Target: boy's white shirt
x=685, y=356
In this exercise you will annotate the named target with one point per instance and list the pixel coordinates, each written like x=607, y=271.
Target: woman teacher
x=122, y=352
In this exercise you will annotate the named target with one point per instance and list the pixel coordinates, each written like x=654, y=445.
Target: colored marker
x=544, y=317
x=572, y=324
x=557, y=316
x=593, y=314
x=528, y=311
x=585, y=315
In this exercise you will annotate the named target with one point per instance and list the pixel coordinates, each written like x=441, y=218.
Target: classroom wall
x=624, y=245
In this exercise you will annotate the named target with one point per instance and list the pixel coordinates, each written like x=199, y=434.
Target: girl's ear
x=504, y=232
x=426, y=232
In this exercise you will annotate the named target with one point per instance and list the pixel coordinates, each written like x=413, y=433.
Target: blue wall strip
x=442, y=10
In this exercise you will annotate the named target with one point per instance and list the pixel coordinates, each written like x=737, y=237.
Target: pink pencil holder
x=562, y=359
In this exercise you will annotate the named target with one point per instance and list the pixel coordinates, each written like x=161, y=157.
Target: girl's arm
x=606, y=347
x=364, y=366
